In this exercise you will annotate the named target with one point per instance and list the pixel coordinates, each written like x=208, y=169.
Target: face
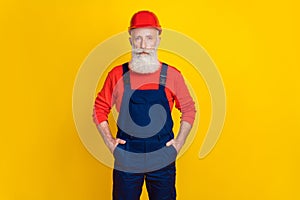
x=144, y=38
x=144, y=42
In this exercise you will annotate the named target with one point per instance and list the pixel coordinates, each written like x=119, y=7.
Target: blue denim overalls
x=146, y=124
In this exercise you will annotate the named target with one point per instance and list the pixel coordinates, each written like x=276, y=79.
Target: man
x=144, y=92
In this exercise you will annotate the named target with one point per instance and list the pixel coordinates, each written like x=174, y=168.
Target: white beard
x=144, y=63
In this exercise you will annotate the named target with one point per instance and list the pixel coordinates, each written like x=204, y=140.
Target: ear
x=130, y=40
x=158, y=40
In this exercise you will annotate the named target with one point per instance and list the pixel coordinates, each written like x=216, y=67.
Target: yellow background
x=255, y=45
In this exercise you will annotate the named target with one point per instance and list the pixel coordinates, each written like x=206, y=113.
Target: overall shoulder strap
x=126, y=77
x=163, y=75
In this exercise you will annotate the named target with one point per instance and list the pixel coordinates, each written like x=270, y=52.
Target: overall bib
x=145, y=123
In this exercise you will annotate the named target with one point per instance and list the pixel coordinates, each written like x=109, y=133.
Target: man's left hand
x=176, y=143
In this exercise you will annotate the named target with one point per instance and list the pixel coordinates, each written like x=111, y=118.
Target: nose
x=143, y=43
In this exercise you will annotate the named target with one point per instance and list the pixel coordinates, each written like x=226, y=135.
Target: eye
x=137, y=38
x=149, y=37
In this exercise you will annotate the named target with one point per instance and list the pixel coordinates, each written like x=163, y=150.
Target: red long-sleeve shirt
x=113, y=88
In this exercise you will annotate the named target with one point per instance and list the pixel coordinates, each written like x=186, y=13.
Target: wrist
x=180, y=140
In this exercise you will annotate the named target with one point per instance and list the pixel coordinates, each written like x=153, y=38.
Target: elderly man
x=144, y=92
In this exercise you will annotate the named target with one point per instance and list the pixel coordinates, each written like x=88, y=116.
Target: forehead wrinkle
x=144, y=32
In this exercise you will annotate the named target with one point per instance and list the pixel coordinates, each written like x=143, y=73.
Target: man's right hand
x=109, y=140
x=113, y=143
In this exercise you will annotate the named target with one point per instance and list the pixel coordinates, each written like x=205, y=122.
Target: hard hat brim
x=145, y=26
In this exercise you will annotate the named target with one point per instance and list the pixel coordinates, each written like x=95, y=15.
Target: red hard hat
x=144, y=19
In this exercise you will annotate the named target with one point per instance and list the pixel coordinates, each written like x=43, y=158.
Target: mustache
x=140, y=51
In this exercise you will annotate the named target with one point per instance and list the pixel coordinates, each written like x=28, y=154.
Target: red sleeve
x=182, y=97
x=103, y=102
x=106, y=97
